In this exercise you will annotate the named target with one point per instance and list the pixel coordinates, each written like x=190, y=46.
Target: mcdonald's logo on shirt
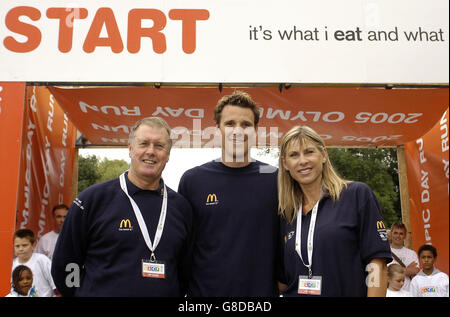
x=125, y=225
x=211, y=199
x=381, y=228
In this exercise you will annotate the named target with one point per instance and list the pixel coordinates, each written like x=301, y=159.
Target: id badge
x=155, y=269
x=310, y=286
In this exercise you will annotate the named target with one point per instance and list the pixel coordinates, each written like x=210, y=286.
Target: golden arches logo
x=211, y=198
x=125, y=223
x=381, y=228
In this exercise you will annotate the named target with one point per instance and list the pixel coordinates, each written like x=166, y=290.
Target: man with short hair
x=234, y=200
x=46, y=244
x=128, y=236
x=402, y=255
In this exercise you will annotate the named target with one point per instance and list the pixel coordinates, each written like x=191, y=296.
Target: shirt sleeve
x=40, y=247
x=182, y=188
x=414, y=288
x=185, y=263
x=46, y=265
x=280, y=273
x=415, y=258
x=446, y=286
x=70, y=249
x=374, y=240
x=185, y=266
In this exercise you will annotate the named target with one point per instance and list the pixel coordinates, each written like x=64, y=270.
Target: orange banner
x=427, y=162
x=344, y=116
x=11, y=116
x=46, y=161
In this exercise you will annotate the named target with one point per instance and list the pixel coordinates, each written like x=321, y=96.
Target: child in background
x=429, y=282
x=40, y=265
x=396, y=279
x=402, y=255
x=22, y=282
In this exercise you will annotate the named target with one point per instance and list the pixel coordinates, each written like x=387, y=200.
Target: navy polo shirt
x=235, y=229
x=102, y=236
x=348, y=234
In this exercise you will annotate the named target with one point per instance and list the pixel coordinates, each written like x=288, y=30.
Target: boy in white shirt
x=402, y=255
x=40, y=265
x=429, y=282
x=46, y=244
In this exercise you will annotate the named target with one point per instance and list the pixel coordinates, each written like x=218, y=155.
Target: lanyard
x=140, y=219
x=298, y=235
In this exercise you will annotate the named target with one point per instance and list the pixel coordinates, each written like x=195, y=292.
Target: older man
x=128, y=236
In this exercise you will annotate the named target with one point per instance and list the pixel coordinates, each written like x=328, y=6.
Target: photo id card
x=310, y=286
x=155, y=269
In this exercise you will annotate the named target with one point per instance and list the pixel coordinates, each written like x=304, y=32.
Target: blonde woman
x=343, y=246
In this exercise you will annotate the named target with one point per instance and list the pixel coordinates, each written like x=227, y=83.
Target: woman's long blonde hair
x=289, y=191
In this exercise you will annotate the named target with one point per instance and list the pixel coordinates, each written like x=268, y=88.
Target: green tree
x=88, y=173
x=109, y=169
x=378, y=169
x=92, y=171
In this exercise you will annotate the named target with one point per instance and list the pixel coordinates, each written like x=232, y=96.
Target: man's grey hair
x=154, y=122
